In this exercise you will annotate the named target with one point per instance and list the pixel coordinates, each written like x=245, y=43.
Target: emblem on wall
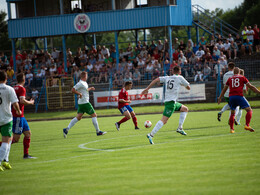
x=82, y=23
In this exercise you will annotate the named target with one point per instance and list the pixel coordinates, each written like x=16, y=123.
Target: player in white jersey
x=172, y=86
x=7, y=98
x=82, y=90
x=226, y=76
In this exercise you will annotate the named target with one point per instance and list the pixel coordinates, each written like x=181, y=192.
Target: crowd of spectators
x=199, y=62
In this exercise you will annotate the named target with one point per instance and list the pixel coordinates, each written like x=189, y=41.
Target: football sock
x=157, y=127
x=6, y=158
x=239, y=115
x=226, y=107
x=95, y=123
x=134, y=120
x=248, y=117
x=182, y=118
x=123, y=120
x=72, y=123
x=236, y=111
x=231, y=121
x=26, y=145
x=3, y=150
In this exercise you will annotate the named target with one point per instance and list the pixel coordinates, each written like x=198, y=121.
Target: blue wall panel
x=138, y=18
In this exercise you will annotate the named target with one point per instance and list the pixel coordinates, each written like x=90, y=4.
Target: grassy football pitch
x=209, y=160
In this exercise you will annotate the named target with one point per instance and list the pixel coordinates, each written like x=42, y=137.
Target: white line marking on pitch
x=82, y=146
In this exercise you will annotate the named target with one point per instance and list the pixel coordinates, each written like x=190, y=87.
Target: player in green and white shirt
x=82, y=90
x=238, y=112
x=7, y=98
x=172, y=87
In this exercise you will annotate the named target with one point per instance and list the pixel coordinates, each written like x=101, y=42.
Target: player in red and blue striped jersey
x=124, y=107
x=236, y=98
x=20, y=125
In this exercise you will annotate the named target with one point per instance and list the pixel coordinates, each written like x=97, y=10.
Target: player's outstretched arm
x=26, y=102
x=187, y=87
x=91, y=88
x=222, y=93
x=253, y=88
x=150, y=85
x=124, y=101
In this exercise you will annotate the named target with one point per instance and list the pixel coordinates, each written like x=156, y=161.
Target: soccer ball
x=147, y=124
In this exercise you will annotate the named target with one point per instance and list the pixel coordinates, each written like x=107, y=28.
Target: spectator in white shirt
x=105, y=51
x=230, y=38
x=250, y=34
x=90, y=67
x=199, y=53
x=227, y=48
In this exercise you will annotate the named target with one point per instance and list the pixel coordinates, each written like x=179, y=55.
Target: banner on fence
x=155, y=95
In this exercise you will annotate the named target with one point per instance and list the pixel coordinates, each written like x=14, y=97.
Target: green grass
x=138, y=110
x=209, y=160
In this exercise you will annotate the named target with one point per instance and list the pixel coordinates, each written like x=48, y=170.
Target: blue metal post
x=61, y=7
x=214, y=24
x=64, y=53
x=14, y=54
x=45, y=43
x=46, y=99
x=75, y=95
x=35, y=10
x=117, y=50
x=116, y=37
x=136, y=37
x=145, y=36
x=95, y=41
x=218, y=91
x=9, y=11
x=197, y=34
x=189, y=32
x=170, y=42
x=221, y=29
x=36, y=45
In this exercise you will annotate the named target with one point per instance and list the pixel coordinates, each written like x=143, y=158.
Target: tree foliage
x=4, y=40
x=245, y=14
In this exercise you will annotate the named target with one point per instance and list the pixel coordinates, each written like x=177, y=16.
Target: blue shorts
x=20, y=125
x=235, y=101
x=125, y=108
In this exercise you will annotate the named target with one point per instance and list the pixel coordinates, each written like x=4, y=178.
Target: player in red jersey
x=236, y=98
x=20, y=124
x=124, y=107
